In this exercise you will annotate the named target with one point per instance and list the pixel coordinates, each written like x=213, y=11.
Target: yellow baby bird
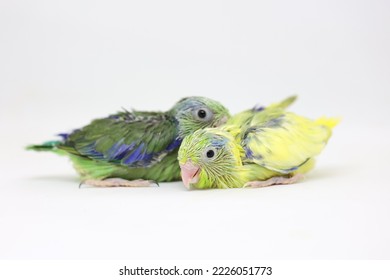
x=256, y=148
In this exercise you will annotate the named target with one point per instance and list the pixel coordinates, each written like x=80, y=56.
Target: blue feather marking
x=90, y=151
x=64, y=136
x=295, y=167
x=174, y=144
x=258, y=108
x=277, y=122
x=118, y=151
x=146, y=158
x=114, y=117
x=138, y=155
x=134, y=156
x=218, y=142
x=290, y=169
x=249, y=154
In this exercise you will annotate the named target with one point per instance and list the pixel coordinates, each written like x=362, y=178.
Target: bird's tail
x=47, y=146
x=328, y=122
x=284, y=103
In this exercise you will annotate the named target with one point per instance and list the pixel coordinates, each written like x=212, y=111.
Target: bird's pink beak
x=189, y=173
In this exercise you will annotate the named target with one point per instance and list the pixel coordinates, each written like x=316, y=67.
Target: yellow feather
x=328, y=122
x=285, y=146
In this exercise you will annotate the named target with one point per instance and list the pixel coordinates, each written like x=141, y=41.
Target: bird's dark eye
x=202, y=114
x=210, y=154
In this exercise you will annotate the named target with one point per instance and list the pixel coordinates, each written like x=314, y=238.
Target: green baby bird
x=136, y=148
x=256, y=148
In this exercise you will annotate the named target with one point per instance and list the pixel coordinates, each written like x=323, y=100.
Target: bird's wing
x=282, y=141
x=244, y=118
x=127, y=138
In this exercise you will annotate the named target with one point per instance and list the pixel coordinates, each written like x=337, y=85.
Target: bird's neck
x=231, y=178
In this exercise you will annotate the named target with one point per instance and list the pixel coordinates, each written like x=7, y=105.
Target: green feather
x=138, y=144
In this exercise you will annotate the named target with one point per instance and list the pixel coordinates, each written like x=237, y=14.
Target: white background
x=63, y=63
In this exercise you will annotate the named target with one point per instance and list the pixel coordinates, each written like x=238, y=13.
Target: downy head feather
x=217, y=155
x=193, y=113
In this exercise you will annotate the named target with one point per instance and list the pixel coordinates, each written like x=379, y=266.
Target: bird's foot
x=118, y=182
x=274, y=181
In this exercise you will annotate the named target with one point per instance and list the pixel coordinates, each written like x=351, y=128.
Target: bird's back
x=283, y=141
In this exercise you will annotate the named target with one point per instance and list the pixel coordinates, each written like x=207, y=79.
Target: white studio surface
x=64, y=63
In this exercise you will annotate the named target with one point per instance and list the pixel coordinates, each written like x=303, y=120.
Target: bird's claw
x=274, y=181
x=118, y=182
